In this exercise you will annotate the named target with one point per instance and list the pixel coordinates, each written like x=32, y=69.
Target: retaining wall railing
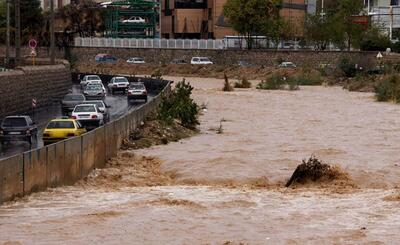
x=65, y=162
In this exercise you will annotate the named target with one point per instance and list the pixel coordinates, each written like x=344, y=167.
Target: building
x=205, y=19
x=57, y=3
x=385, y=14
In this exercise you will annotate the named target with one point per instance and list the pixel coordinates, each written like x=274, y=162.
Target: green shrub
x=278, y=82
x=347, y=67
x=179, y=106
x=389, y=90
x=243, y=83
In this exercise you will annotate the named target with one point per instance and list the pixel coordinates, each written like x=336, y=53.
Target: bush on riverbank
x=243, y=83
x=179, y=106
x=279, y=82
x=389, y=89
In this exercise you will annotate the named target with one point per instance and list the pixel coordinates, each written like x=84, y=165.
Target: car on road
x=201, y=61
x=135, y=60
x=18, y=128
x=137, y=91
x=70, y=101
x=287, y=65
x=98, y=82
x=105, y=58
x=134, y=19
x=89, y=115
x=178, y=62
x=118, y=84
x=61, y=129
x=103, y=108
x=89, y=78
x=94, y=91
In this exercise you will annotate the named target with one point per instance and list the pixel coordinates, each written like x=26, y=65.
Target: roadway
x=118, y=107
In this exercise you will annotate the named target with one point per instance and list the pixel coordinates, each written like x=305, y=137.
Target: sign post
x=32, y=46
x=34, y=104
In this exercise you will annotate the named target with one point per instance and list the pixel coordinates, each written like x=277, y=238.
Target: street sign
x=33, y=53
x=32, y=43
x=34, y=103
x=379, y=56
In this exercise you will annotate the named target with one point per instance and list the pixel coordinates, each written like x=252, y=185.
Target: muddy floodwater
x=225, y=185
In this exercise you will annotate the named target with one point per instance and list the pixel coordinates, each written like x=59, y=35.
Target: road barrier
x=65, y=162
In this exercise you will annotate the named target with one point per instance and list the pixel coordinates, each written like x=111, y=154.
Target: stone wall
x=227, y=57
x=47, y=84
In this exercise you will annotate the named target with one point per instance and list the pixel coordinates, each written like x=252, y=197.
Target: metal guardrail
x=149, y=43
x=65, y=162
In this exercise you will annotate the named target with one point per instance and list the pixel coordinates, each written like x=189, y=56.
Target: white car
x=287, y=65
x=89, y=78
x=97, y=82
x=137, y=91
x=135, y=60
x=89, y=115
x=134, y=19
x=103, y=108
x=118, y=84
x=201, y=61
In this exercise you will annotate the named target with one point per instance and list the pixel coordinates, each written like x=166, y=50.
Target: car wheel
x=145, y=100
x=30, y=140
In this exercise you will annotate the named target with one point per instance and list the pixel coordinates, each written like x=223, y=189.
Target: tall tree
x=254, y=17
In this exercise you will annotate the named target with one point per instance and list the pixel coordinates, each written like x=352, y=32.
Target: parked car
x=89, y=78
x=103, y=108
x=105, y=58
x=70, y=101
x=94, y=91
x=18, y=128
x=137, y=91
x=135, y=60
x=60, y=129
x=134, y=19
x=118, y=84
x=88, y=115
x=178, y=61
x=243, y=63
x=201, y=61
x=287, y=65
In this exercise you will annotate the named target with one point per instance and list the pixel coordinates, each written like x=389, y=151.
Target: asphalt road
x=119, y=107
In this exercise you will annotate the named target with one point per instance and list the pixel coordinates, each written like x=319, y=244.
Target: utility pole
x=17, y=33
x=52, y=46
x=7, y=61
x=391, y=23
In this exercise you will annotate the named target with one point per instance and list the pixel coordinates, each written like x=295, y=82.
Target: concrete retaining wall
x=47, y=84
x=65, y=162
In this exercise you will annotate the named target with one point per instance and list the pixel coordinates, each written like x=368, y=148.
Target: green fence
x=65, y=162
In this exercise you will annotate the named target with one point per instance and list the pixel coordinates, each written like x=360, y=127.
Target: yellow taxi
x=60, y=129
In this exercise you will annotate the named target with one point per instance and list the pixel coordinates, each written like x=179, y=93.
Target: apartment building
x=205, y=19
x=385, y=14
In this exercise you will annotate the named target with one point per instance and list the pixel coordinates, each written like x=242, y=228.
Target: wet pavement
x=42, y=116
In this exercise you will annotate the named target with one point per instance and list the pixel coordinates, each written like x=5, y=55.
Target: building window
x=190, y=4
x=394, y=2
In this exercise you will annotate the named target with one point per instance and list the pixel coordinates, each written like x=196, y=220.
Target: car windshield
x=60, y=124
x=204, y=59
x=139, y=59
x=14, y=122
x=74, y=97
x=136, y=86
x=85, y=109
x=94, y=87
x=93, y=78
x=97, y=103
x=121, y=80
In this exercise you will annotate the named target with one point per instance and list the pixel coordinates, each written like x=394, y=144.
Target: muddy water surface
x=265, y=135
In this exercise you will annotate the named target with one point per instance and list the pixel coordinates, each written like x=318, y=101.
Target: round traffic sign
x=32, y=43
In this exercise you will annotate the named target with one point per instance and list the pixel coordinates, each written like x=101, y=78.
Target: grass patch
x=279, y=82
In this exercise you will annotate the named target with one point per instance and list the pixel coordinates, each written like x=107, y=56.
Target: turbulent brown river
x=227, y=188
